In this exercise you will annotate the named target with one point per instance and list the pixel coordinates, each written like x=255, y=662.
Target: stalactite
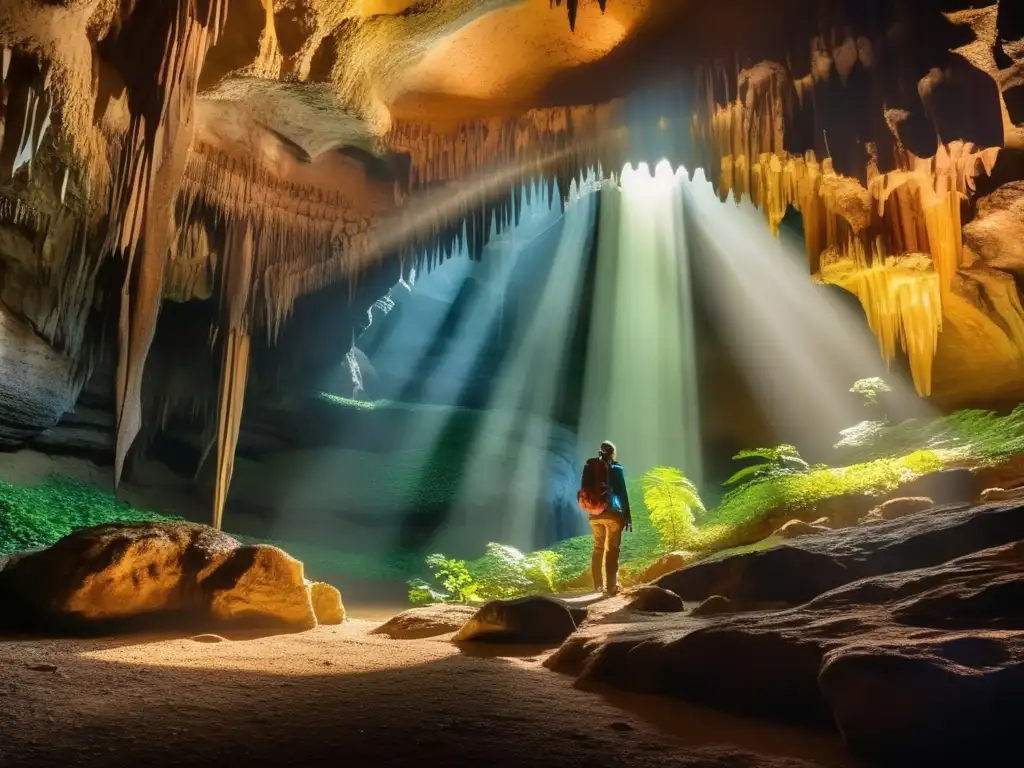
x=867, y=230
x=234, y=328
x=146, y=188
x=491, y=161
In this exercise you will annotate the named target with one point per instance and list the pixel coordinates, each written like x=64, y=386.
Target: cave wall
x=231, y=158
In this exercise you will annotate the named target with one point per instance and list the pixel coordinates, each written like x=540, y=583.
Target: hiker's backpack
x=595, y=494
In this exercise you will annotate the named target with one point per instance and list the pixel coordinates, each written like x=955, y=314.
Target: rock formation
x=114, y=576
x=908, y=641
x=232, y=156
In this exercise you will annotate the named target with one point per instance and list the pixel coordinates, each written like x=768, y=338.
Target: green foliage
x=756, y=500
x=503, y=572
x=870, y=389
x=421, y=593
x=37, y=516
x=455, y=579
x=968, y=437
x=777, y=462
x=671, y=501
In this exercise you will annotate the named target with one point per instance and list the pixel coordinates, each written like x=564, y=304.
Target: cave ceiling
x=240, y=154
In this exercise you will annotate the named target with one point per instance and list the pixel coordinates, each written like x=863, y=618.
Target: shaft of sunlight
x=641, y=389
x=520, y=421
x=799, y=345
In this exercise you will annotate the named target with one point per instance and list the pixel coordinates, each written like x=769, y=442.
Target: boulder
x=261, y=585
x=327, y=605
x=797, y=571
x=794, y=529
x=715, y=606
x=118, y=574
x=651, y=599
x=426, y=621
x=671, y=561
x=894, y=509
x=913, y=667
x=535, y=620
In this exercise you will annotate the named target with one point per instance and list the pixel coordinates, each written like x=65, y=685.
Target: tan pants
x=607, y=539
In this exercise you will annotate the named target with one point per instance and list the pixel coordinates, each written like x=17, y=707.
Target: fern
x=672, y=501
x=779, y=461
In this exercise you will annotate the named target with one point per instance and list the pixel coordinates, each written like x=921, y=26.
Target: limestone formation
x=177, y=573
x=233, y=157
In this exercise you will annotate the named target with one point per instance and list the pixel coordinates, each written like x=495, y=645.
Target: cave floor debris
x=333, y=691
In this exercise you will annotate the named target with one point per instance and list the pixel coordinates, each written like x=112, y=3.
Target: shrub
x=454, y=578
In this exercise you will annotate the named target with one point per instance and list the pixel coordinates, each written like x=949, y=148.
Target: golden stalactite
x=305, y=237
x=856, y=235
x=491, y=164
x=234, y=326
x=146, y=189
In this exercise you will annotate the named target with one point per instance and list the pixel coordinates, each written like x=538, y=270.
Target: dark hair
x=607, y=450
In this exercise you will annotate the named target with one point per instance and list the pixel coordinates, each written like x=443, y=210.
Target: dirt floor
x=338, y=695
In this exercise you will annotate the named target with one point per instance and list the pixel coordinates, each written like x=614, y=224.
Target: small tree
x=672, y=501
x=870, y=389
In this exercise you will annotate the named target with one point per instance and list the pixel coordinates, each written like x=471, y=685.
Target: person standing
x=604, y=498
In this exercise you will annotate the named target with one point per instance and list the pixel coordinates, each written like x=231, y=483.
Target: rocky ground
x=894, y=642
x=338, y=694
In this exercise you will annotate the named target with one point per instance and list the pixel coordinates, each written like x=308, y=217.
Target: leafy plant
x=500, y=573
x=454, y=577
x=776, y=462
x=671, y=499
x=870, y=388
x=421, y=593
x=541, y=568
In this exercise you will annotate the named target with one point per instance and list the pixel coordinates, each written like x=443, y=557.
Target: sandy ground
x=340, y=695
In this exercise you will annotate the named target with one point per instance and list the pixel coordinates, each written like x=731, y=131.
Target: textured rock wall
x=244, y=154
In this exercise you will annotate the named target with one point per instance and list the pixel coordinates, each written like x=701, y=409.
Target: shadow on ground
x=338, y=694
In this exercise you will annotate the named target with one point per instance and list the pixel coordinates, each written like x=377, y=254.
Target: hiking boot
x=611, y=592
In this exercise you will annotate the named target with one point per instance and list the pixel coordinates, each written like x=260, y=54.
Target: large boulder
x=176, y=572
x=533, y=620
x=799, y=570
x=914, y=668
x=426, y=621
